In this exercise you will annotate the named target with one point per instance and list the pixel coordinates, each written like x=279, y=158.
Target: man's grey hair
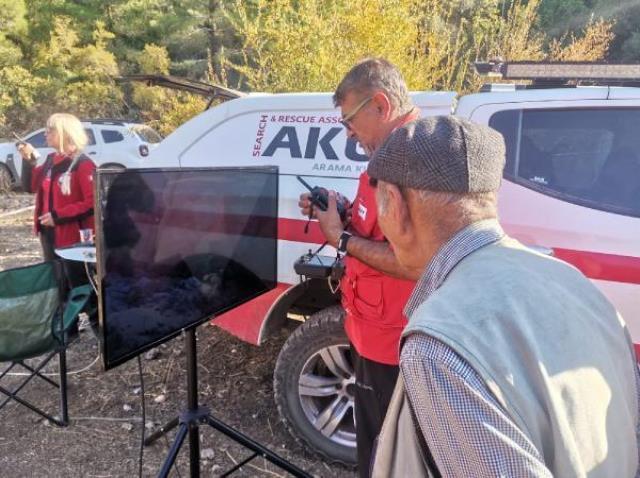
x=448, y=211
x=372, y=75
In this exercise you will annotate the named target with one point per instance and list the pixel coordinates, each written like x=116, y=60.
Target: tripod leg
x=194, y=450
x=161, y=431
x=247, y=442
x=173, y=452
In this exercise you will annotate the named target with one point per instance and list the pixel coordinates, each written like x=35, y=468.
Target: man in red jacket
x=374, y=101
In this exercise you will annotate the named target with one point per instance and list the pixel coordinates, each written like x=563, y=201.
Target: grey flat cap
x=441, y=153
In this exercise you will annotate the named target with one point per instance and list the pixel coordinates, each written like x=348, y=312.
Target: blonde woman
x=63, y=185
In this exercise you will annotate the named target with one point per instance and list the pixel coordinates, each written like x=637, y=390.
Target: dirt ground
x=103, y=439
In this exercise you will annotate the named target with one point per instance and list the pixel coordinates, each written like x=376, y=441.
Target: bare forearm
x=379, y=256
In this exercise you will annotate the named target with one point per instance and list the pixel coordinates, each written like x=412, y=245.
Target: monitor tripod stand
x=190, y=420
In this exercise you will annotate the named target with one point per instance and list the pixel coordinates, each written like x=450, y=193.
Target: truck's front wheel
x=7, y=181
x=313, y=385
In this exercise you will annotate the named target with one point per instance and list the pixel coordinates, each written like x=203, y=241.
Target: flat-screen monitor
x=176, y=247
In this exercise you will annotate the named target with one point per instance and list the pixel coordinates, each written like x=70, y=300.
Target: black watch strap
x=342, y=242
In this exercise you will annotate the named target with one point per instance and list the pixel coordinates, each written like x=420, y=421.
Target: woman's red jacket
x=70, y=212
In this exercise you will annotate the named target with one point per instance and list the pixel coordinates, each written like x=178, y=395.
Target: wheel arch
x=304, y=298
x=111, y=165
x=10, y=168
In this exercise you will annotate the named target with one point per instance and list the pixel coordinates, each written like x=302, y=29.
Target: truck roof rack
x=546, y=74
x=111, y=121
x=196, y=87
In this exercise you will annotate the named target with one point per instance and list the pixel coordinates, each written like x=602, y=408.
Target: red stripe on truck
x=293, y=230
x=246, y=320
x=594, y=265
x=597, y=265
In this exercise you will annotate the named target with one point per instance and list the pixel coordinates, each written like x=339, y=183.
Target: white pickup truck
x=571, y=188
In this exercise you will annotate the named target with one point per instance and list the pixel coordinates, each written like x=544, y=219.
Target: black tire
x=7, y=181
x=313, y=387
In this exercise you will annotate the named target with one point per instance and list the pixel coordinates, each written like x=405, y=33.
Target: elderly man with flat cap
x=512, y=364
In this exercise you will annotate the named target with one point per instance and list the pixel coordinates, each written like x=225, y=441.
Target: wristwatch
x=342, y=242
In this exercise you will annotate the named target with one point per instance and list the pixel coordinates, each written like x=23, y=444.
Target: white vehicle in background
x=112, y=143
x=571, y=188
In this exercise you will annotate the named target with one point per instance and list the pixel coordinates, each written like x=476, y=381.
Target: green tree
x=13, y=26
x=161, y=108
x=18, y=98
x=64, y=74
x=80, y=77
x=309, y=44
x=560, y=17
x=592, y=45
x=626, y=45
x=64, y=56
x=563, y=18
x=18, y=86
x=135, y=23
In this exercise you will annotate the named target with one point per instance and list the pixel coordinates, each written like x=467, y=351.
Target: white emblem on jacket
x=362, y=211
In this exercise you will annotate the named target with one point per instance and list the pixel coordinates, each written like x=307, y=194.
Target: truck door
x=572, y=187
x=94, y=147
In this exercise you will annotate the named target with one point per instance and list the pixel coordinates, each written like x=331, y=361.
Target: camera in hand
x=34, y=156
x=19, y=140
x=320, y=198
x=316, y=266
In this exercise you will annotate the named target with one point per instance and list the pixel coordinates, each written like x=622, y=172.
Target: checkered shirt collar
x=466, y=241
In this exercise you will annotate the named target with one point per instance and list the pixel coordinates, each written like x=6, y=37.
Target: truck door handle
x=91, y=152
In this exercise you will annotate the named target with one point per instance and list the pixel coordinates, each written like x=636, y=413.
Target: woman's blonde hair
x=71, y=133
x=73, y=139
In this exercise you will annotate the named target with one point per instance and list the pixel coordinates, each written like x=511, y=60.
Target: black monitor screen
x=175, y=247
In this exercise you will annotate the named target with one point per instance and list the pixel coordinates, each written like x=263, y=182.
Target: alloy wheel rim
x=325, y=389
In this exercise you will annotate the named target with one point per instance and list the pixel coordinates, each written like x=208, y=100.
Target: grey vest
x=549, y=346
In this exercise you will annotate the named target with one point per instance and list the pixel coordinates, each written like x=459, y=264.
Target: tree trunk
x=214, y=44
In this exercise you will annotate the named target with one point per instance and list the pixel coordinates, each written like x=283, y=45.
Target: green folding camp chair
x=34, y=322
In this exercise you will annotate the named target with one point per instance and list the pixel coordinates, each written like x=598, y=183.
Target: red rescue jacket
x=70, y=212
x=373, y=301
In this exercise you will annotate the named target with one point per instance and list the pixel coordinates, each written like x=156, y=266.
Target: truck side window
x=37, y=140
x=585, y=156
x=111, y=136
